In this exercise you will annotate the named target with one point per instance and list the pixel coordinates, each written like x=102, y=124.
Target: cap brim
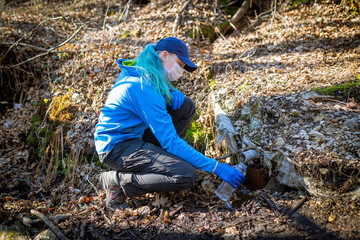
x=189, y=65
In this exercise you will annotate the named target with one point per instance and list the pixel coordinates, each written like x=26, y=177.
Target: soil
x=67, y=53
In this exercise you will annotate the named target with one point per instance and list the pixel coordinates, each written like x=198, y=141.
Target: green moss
x=298, y=2
x=354, y=6
x=39, y=134
x=198, y=135
x=231, y=10
x=349, y=89
x=62, y=110
x=36, y=122
x=224, y=26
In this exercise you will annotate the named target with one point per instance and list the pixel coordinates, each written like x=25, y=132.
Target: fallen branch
x=40, y=49
x=28, y=35
x=28, y=222
x=239, y=14
x=178, y=16
x=176, y=211
x=297, y=206
x=52, y=227
x=48, y=51
x=272, y=205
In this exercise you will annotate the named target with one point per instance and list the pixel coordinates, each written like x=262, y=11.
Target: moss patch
x=230, y=10
x=199, y=136
x=39, y=135
x=354, y=5
x=223, y=26
x=41, y=131
x=62, y=110
x=298, y=2
x=349, y=89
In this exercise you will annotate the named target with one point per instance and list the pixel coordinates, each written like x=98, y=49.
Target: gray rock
x=352, y=123
x=316, y=134
x=245, y=113
x=255, y=124
x=279, y=142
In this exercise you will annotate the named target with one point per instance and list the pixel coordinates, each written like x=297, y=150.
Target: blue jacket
x=134, y=105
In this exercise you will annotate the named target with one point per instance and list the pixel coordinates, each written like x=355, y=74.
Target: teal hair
x=151, y=70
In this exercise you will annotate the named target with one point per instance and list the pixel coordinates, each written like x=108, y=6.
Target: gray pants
x=143, y=166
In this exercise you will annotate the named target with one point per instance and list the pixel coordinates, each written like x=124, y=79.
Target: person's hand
x=177, y=99
x=229, y=174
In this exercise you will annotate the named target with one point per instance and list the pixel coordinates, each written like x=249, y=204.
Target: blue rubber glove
x=229, y=174
x=177, y=99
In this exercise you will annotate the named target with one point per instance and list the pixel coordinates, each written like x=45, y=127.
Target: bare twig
x=125, y=12
x=234, y=27
x=240, y=12
x=199, y=74
x=178, y=16
x=105, y=217
x=40, y=49
x=48, y=51
x=274, y=4
x=176, y=211
x=52, y=227
x=297, y=206
x=103, y=28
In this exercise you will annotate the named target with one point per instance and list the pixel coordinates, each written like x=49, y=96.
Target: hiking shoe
x=115, y=197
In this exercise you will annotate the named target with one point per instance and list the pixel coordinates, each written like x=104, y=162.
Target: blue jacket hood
x=128, y=67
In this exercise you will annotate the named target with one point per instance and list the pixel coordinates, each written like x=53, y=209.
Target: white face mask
x=175, y=72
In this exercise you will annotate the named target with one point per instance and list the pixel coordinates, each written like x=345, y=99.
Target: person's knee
x=190, y=106
x=186, y=178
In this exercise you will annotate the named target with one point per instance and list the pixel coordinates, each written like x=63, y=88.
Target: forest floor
x=58, y=62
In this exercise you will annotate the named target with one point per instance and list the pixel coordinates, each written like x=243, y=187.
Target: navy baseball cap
x=175, y=45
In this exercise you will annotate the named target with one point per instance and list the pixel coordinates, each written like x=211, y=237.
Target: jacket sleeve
x=150, y=106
